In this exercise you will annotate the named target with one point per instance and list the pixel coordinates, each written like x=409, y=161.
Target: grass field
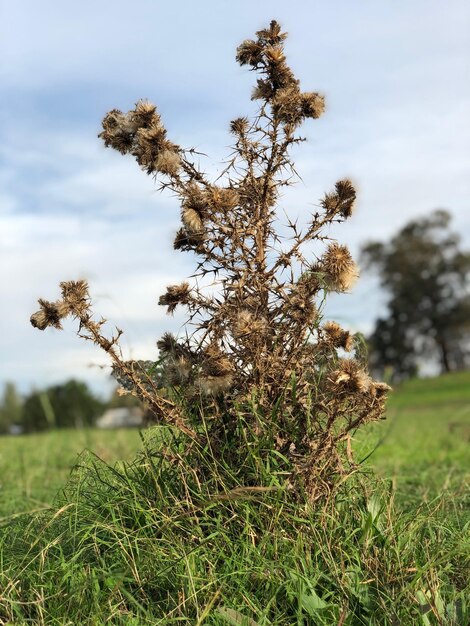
x=423, y=446
x=393, y=553
x=34, y=467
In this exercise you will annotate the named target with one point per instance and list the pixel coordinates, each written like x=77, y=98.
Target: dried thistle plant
x=257, y=345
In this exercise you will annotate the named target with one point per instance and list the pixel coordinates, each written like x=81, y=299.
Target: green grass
x=423, y=447
x=147, y=542
x=424, y=443
x=34, y=467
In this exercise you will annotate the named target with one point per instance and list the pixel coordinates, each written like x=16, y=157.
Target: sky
x=397, y=85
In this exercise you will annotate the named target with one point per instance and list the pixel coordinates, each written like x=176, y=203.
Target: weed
x=257, y=368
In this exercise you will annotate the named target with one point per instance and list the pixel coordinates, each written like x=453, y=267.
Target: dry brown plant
x=256, y=352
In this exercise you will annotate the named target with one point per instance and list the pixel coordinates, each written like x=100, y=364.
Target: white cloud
x=396, y=123
x=91, y=221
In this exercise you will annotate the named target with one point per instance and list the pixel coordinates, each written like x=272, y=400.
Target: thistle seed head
x=249, y=52
x=187, y=241
x=167, y=345
x=50, y=314
x=197, y=199
x=346, y=197
x=313, y=104
x=351, y=377
x=118, y=131
x=287, y=105
x=75, y=295
x=168, y=162
x=272, y=35
x=381, y=389
x=341, y=201
x=341, y=272
x=247, y=324
x=192, y=221
x=300, y=306
x=145, y=114
x=263, y=90
x=338, y=337
x=225, y=198
x=274, y=54
x=239, y=126
x=175, y=294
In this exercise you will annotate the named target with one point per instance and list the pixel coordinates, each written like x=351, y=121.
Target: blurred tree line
x=426, y=277
x=68, y=405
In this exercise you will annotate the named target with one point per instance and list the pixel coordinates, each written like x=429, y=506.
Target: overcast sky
x=397, y=83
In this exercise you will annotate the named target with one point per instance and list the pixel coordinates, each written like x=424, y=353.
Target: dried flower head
x=239, y=126
x=145, y=114
x=300, y=306
x=287, y=105
x=313, y=104
x=168, y=162
x=350, y=376
x=167, y=344
x=272, y=35
x=50, y=314
x=341, y=201
x=249, y=53
x=263, y=90
x=175, y=294
x=192, y=221
x=75, y=295
x=341, y=272
x=338, y=337
x=197, y=199
x=118, y=131
x=187, y=241
x=247, y=324
x=381, y=389
x=274, y=54
x=149, y=142
x=223, y=199
x=216, y=362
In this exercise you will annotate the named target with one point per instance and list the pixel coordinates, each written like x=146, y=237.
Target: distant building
x=123, y=417
x=15, y=429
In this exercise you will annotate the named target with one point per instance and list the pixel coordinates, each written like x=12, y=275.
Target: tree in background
x=68, y=405
x=428, y=312
x=10, y=408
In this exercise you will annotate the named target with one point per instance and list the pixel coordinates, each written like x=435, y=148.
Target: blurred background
x=395, y=76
